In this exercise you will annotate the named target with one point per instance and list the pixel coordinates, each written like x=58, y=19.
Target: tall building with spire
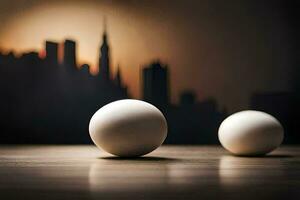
x=104, y=71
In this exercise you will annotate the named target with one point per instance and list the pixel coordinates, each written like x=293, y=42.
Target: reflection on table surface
x=170, y=172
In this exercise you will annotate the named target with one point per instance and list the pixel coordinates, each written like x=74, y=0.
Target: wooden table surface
x=170, y=172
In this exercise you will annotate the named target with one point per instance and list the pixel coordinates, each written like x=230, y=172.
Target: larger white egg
x=128, y=128
x=250, y=133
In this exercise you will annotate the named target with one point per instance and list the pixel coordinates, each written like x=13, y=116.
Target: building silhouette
x=187, y=98
x=118, y=79
x=85, y=69
x=69, y=58
x=44, y=101
x=104, y=58
x=51, y=54
x=192, y=122
x=156, y=84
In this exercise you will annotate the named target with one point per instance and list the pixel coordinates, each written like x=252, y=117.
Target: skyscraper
x=104, y=57
x=51, y=52
x=70, y=54
x=155, y=84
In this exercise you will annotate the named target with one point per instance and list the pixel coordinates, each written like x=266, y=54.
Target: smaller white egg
x=128, y=128
x=250, y=133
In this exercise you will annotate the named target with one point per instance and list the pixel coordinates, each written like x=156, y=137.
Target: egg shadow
x=143, y=158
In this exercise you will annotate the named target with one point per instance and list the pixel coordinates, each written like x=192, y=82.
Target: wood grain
x=170, y=172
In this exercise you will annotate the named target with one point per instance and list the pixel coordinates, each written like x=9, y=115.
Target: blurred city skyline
x=48, y=101
x=220, y=50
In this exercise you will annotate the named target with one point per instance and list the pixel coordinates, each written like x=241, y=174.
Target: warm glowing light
x=42, y=54
x=135, y=38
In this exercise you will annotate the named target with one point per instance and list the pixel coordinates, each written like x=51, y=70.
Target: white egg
x=128, y=128
x=250, y=133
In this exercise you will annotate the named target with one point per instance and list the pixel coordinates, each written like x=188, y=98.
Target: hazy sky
x=221, y=49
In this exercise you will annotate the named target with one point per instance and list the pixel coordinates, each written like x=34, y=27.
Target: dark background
x=200, y=61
